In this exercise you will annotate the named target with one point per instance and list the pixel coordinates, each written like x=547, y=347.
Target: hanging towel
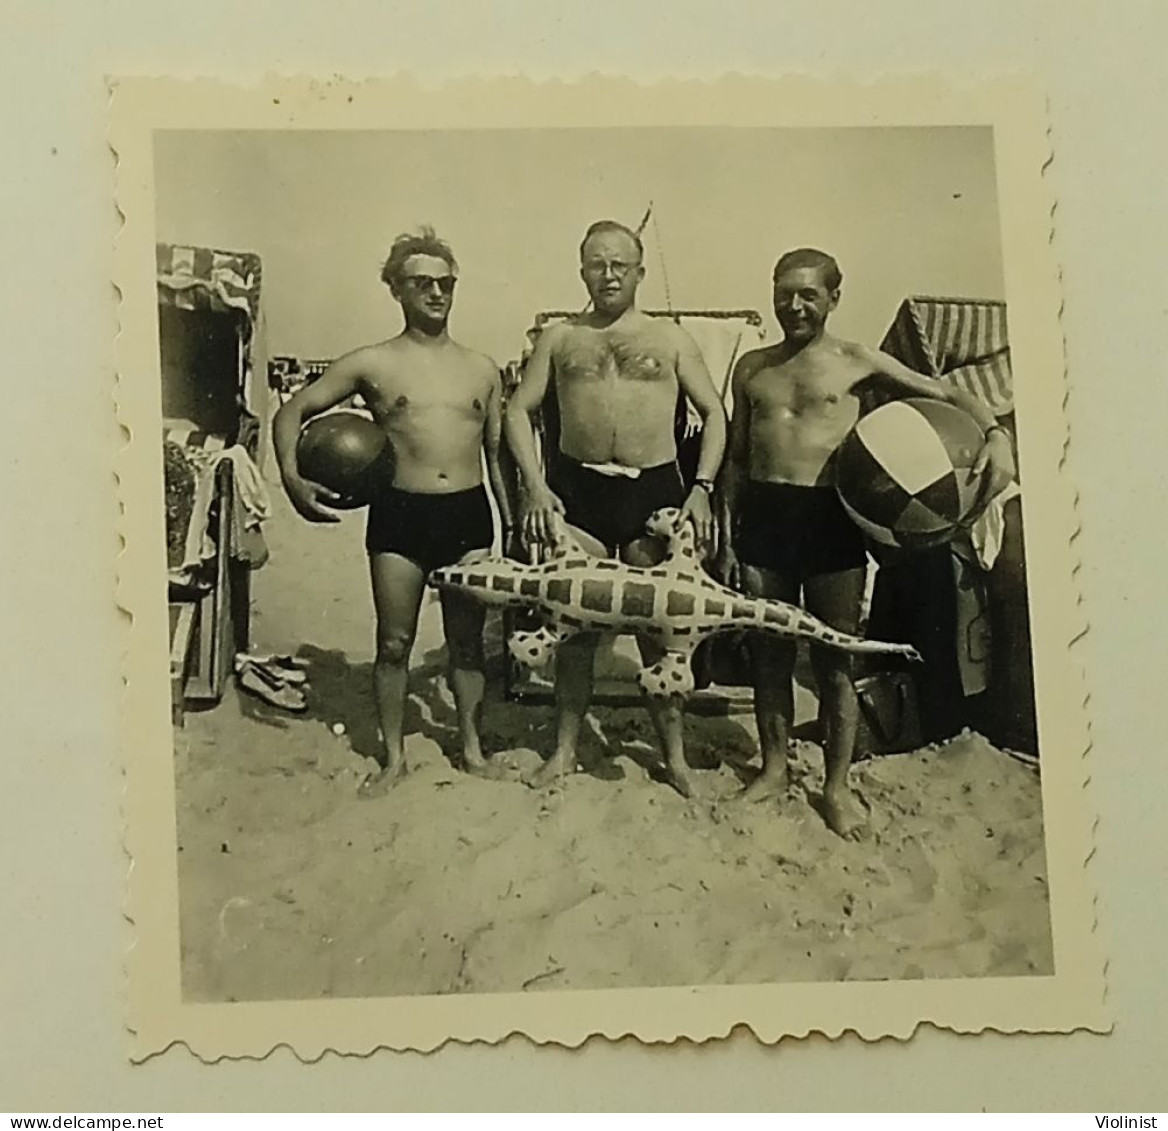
x=253, y=507
x=986, y=535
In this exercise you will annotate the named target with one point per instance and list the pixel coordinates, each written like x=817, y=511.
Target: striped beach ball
x=903, y=473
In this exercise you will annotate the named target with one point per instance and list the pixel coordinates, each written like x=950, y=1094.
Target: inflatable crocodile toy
x=676, y=603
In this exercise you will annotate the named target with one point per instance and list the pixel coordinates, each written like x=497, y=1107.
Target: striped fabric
x=195, y=278
x=962, y=341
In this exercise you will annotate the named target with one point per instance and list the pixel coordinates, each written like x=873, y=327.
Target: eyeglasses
x=601, y=268
x=444, y=283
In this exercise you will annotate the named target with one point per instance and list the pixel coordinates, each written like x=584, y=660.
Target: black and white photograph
x=596, y=558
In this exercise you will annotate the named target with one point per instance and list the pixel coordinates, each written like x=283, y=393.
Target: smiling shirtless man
x=617, y=373
x=439, y=404
x=785, y=532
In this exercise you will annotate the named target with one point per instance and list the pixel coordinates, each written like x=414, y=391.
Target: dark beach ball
x=347, y=453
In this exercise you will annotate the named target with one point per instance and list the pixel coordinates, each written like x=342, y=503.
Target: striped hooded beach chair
x=210, y=342
x=962, y=341
x=974, y=629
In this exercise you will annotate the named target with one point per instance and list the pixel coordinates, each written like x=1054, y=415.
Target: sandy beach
x=293, y=888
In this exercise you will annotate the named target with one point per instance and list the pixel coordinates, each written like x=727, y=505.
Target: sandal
x=275, y=692
x=286, y=669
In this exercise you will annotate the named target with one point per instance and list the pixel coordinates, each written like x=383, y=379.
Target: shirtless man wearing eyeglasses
x=439, y=403
x=617, y=373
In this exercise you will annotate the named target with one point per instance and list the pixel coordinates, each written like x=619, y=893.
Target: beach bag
x=890, y=721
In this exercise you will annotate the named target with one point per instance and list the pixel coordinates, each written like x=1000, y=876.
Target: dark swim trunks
x=614, y=508
x=798, y=532
x=431, y=530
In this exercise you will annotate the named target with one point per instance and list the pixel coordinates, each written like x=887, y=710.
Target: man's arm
x=492, y=442
x=336, y=384
x=540, y=505
x=694, y=379
x=737, y=455
x=997, y=454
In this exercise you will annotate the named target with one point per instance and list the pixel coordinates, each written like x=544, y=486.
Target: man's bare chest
x=803, y=390
x=425, y=390
x=614, y=358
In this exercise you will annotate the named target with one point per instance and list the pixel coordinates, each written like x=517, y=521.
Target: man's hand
x=696, y=510
x=727, y=567
x=311, y=500
x=540, y=510
x=513, y=545
x=996, y=462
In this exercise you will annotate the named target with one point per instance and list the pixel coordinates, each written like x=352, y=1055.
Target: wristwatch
x=706, y=485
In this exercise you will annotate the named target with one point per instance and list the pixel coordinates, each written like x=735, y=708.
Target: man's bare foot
x=770, y=785
x=680, y=779
x=379, y=784
x=559, y=766
x=480, y=767
x=843, y=813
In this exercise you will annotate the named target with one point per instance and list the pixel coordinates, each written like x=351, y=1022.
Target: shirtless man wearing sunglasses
x=439, y=403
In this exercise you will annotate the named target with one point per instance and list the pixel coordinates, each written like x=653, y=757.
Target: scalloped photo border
x=1072, y=998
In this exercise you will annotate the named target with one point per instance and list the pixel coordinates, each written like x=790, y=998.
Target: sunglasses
x=444, y=283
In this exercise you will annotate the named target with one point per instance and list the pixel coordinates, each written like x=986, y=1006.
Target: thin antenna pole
x=664, y=269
